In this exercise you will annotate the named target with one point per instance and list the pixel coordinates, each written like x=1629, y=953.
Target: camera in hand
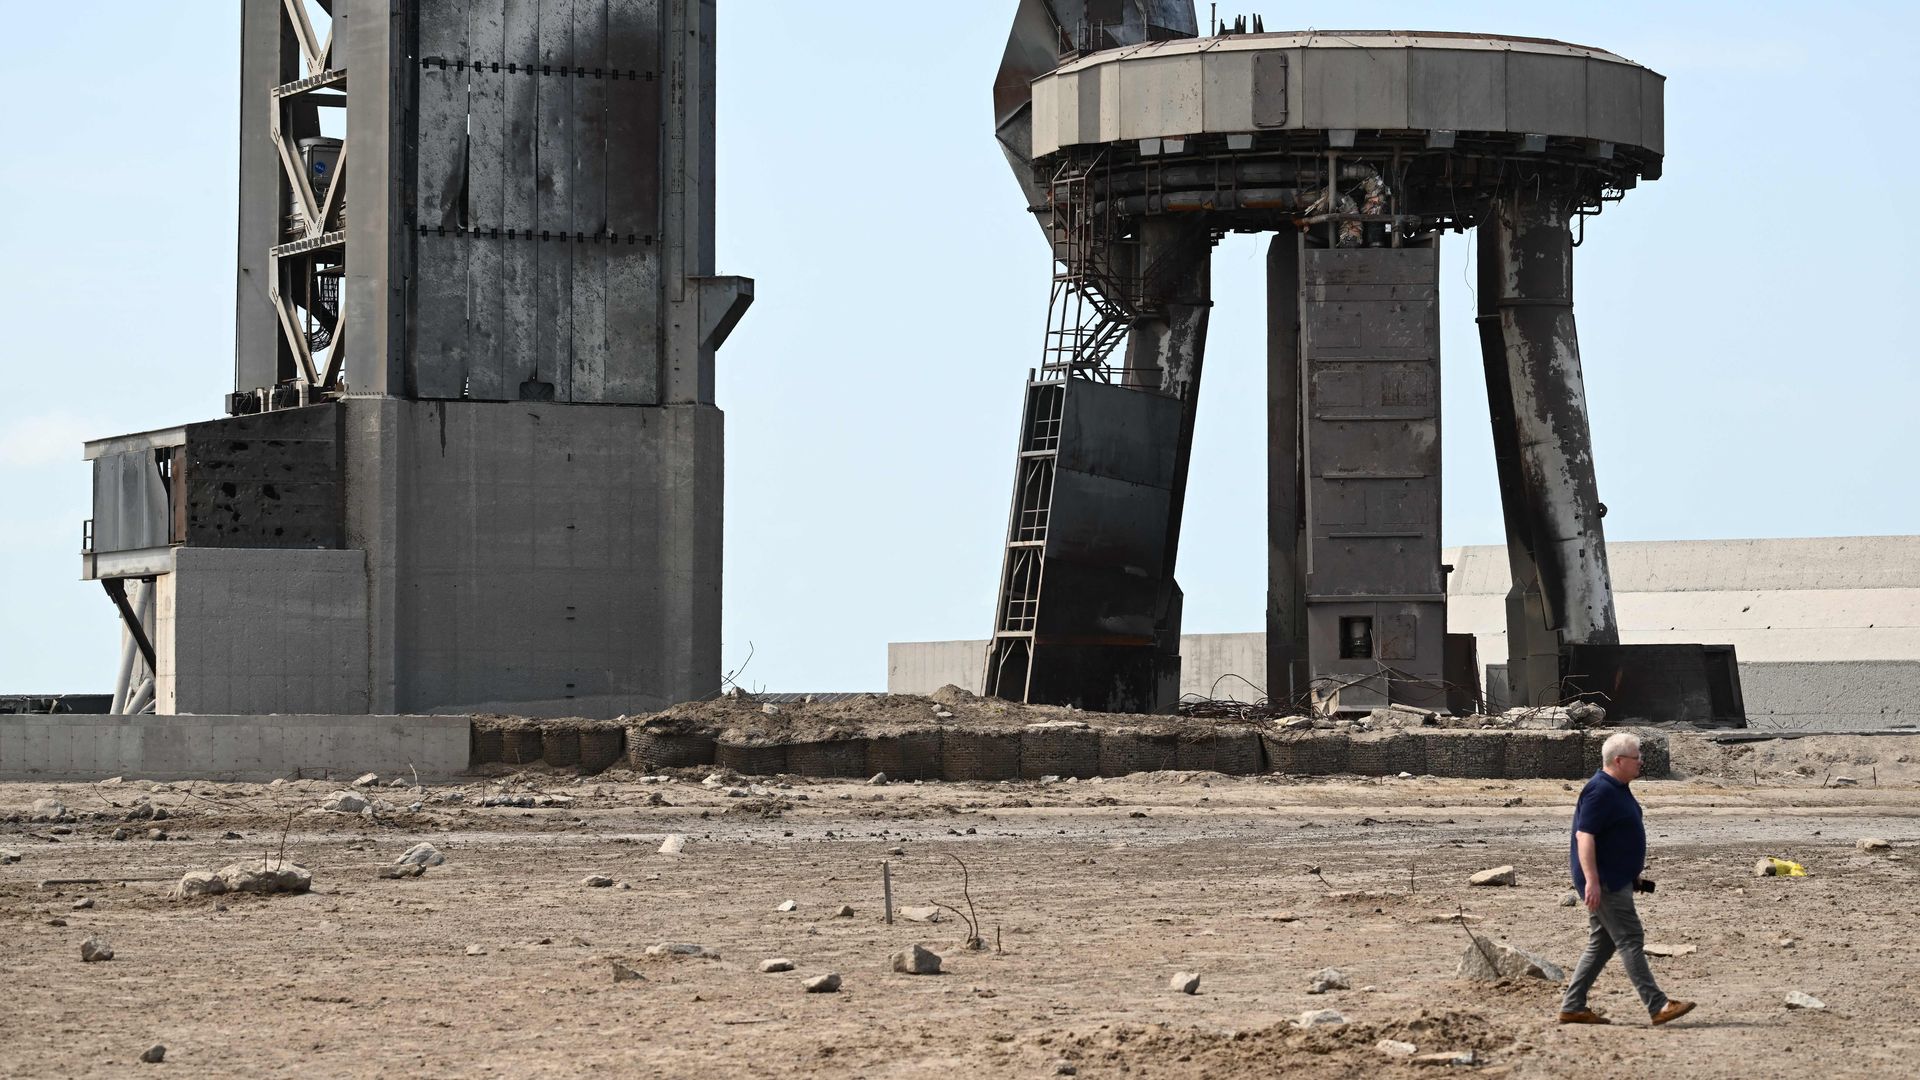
x=1644, y=884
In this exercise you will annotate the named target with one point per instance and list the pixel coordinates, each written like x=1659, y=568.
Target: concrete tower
x=472, y=459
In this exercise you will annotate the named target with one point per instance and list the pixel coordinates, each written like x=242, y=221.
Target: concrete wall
x=246, y=630
x=539, y=558
x=250, y=748
x=1827, y=630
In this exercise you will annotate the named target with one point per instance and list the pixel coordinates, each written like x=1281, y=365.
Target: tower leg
x=1287, y=671
x=1542, y=440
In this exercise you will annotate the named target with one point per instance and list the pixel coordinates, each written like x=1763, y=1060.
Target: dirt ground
x=1089, y=896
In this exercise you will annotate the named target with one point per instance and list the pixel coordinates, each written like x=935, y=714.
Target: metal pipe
x=142, y=700
x=1532, y=288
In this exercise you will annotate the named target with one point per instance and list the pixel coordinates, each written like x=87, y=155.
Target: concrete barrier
x=237, y=748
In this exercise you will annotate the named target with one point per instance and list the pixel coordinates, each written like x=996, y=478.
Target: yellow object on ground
x=1782, y=868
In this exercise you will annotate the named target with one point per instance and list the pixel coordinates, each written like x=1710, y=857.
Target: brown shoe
x=1583, y=1016
x=1673, y=1010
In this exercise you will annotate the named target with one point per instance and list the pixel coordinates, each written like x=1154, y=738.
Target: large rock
x=775, y=965
x=914, y=960
x=200, y=883
x=1326, y=979
x=345, y=802
x=823, y=984
x=94, y=950
x=1184, y=982
x=929, y=913
x=421, y=854
x=266, y=876
x=673, y=845
x=1320, y=1018
x=1798, y=999
x=52, y=810
x=1873, y=843
x=682, y=948
x=1492, y=960
x=7, y=855
x=1499, y=875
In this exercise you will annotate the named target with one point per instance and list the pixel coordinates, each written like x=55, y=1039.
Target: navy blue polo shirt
x=1610, y=812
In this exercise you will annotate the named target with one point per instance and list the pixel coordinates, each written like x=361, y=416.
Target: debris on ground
x=1798, y=999
x=1768, y=866
x=155, y=1054
x=421, y=854
x=915, y=960
x=682, y=948
x=1184, y=982
x=823, y=984
x=1326, y=979
x=673, y=845
x=1320, y=1018
x=1395, y=1048
x=597, y=881
x=775, y=965
x=1873, y=843
x=920, y=913
x=1492, y=960
x=345, y=802
x=623, y=973
x=95, y=949
x=1653, y=949
x=1499, y=875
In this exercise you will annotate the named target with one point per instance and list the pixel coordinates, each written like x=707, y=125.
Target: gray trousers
x=1615, y=927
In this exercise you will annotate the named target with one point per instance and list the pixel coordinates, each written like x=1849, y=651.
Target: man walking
x=1608, y=851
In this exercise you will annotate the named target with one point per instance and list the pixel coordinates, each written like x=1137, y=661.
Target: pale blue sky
x=1740, y=319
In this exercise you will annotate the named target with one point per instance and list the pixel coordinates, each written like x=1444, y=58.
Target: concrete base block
x=239, y=748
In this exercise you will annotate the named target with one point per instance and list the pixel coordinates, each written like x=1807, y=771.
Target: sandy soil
x=1096, y=892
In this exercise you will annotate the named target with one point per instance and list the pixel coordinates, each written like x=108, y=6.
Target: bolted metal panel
x=1458, y=90
x=1268, y=96
x=1355, y=88
x=130, y=501
x=1370, y=350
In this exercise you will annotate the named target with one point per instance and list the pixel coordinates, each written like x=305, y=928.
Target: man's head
x=1620, y=756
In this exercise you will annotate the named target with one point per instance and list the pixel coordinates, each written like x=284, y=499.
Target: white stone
x=345, y=802
x=844, y=911
x=421, y=854
x=673, y=845
x=1657, y=949
x=914, y=960
x=475, y=950
x=682, y=948
x=8, y=855
x=1844, y=781
x=769, y=967
x=597, y=881
x=770, y=708
x=1491, y=960
x=1326, y=979
x=367, y=780
x=823, y=984
x=920, y=914
x=266, y=876
x=788, y=905
x=878, y=779
x=1395, y=1048
x=1184, y=982
x=1801, y=1000
x=1320, y=1018
x=1499, y=875
x=49, y=810
x=200, y=883
x=1403, y=776
x=1873, y=843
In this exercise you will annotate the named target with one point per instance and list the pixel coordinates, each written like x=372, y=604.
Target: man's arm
x=1589, y=868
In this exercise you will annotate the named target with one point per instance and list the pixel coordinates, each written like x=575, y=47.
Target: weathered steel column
x=1287, y=673
x=1547, y=481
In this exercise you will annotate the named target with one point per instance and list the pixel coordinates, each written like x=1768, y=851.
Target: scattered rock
x=787, y=905
x=623, y=973
x=156, y=834
x=200, y=883
x=1795, y=1000
x=1402, y=776
x=1655, y=949
x=878, y=779
x=49, y=810
x=155, y=1054
x=1184, y=982
x=844, y=911
x=1572, y=899
x=928, y=913
x=682, y=948
x=896, y=851
x=344, y=802
x=1447, y=1057
x=422, y=855
x=7, y=855
x=1326, y=979
x=673, y=845
x=402, y=870
x=1320, y=1018
x=914, y=960
x=266, y=876
x=367, y=780
x=396, y=782
x=1873, y=843
x=1395, y=1048
x=1499, y=875
x=1492, y=961
x=770, y=708
x=142, y=810
x=597, y=881
x=823, y=984
x=1844, y=781
x=94, y=949
x=56, y=922
x=778, y=964
x=1284, y=916
x=231, y=835
x=83, y=903
x=475, y=950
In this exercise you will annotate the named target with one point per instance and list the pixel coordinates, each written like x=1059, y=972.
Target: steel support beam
x=1288, y=676
x=1542, y=441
